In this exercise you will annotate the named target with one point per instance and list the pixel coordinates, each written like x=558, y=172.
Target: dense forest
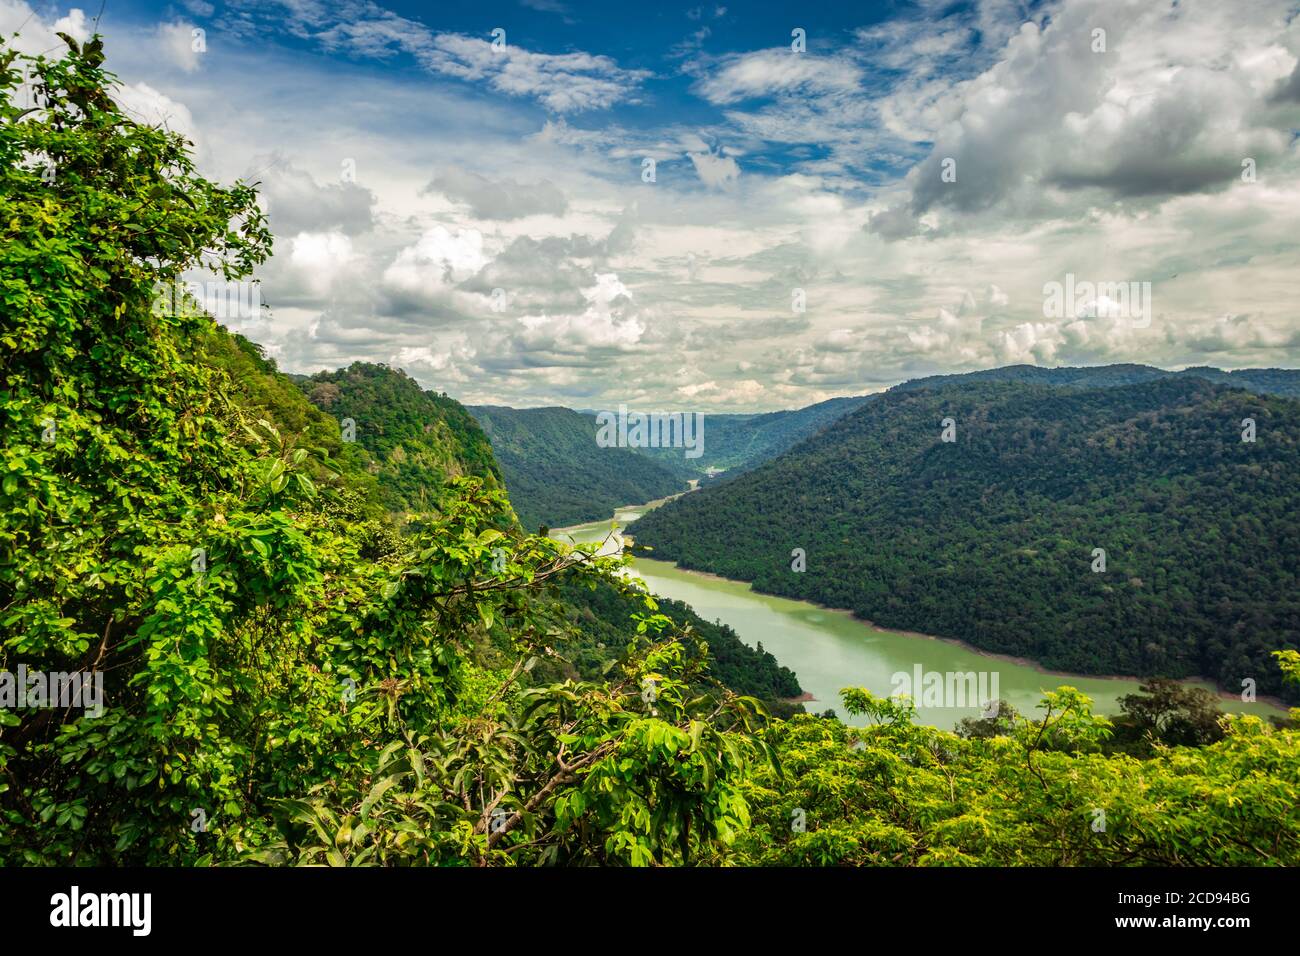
x=992, y=537
x=299, y=668
x=1263, y=381
x=557, y=475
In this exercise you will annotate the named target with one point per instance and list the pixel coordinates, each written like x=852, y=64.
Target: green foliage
x=990, y=538
x=571, y=773
x=1169, y=712
x=258, y=389
x=1041, y=793
x=256, y=645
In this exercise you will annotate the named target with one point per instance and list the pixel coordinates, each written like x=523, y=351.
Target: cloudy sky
x=741, y=206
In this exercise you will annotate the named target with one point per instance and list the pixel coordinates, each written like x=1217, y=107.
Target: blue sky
x=894, y=200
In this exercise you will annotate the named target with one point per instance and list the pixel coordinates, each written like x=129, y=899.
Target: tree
x=264, y=660
x=1172, y=713
x=1000, y=723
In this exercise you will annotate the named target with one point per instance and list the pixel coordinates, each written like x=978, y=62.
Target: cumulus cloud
x=296, y=202
x=319, y=257
x=609, y=321
x=715, y=170
x=425, y=275
x=1230, y=333
x=1148, y=117
x=75, y=25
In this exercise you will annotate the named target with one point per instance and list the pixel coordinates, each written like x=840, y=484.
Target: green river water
x=829, y=650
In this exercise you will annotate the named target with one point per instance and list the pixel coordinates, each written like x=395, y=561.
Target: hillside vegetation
x=1262, y=381
x=414, y=441
x=991, y=538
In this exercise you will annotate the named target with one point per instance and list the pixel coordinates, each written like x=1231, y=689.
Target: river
x=830, y=649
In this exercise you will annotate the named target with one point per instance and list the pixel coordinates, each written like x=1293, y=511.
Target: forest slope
x=991, y=538
x=416, y=440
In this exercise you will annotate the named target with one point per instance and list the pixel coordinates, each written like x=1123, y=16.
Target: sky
x=737, y=207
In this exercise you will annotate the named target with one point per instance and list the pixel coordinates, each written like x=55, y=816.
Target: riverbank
x=831, y=648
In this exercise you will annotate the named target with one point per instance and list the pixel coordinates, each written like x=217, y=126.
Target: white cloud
x=296, y=202
x=183, y=44
x=427, y=272
x=1170, y=107
x=146, y=105
x=777, y=71
x=499, y=199
x=609, y=321
x=74, y=25
x=563, y=83
x=319, y=257
x=715, y=171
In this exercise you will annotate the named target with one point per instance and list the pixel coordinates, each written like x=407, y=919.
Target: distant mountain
x=547, y=454
x=1262, y=381
x=735, y=443
x=992, y=538
x=413, y=440
x=557, y=475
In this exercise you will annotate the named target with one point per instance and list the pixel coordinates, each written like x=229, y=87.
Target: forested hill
x=991, y=538
x=416, y=440
x=557, y=475
x=262, y=392
x=1263, y=381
